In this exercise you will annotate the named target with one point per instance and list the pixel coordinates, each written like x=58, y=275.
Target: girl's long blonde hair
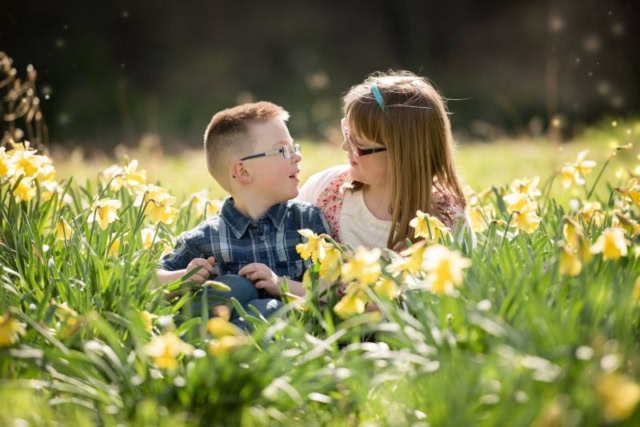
x=414, y=127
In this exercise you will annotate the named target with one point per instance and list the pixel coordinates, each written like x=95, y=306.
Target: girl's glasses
x=357, y=151
x=287, y=152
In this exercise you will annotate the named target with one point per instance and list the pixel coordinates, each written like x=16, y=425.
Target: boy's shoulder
x=296, y=205
x=209, y=225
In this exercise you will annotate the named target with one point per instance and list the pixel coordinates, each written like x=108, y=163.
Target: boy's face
x=273, y=176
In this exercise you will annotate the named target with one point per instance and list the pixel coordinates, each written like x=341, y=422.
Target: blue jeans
x=244, y=291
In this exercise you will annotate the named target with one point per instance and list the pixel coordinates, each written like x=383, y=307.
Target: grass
x=517, y=342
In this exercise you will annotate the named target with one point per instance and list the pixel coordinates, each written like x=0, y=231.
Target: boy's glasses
x=287, y=152
x=357, y=151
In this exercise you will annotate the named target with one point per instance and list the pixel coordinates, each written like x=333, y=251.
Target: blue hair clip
x=377, y=95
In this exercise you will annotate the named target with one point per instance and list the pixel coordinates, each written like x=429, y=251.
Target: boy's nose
x=296, y=158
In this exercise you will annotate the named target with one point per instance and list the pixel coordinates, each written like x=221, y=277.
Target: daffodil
x=114, y=248
x=386, y=288
x=331, y=262
x=104, y=212
x=516, y=201
x=6, y=164
x=611, y=243
x=570, y=264
x=147, y=319
x=165, y=350
x=618, y=396
x=25, y=190
x=68, y=320
x=411, y=259
x=629, y=226
x=159, y=212
x=351, y=303
x=147, y=237
x=444, y=268
x=313, y=248
x=221, y=327
x=583, y=166
x=132, y=176
x=27, y=162
x=572, y=232
x=631, y=191
x=429, y=227
x=480, y=217
x=526, y=218
x=528, y=186
x=570, y=176
x=364, y=267
x=592, y=212
x=63, y=230
x=113, y=175
x=10, y=330
x=227, y=343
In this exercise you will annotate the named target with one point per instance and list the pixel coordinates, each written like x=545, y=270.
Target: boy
x=251, y=245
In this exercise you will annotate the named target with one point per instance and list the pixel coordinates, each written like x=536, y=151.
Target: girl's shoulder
x=321, y=181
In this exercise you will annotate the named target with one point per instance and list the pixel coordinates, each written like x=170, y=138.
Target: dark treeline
x=110, y=71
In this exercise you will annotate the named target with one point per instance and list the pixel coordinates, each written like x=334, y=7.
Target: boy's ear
x=239, y=173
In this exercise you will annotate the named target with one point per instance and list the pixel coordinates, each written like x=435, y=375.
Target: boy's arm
x=204, y=266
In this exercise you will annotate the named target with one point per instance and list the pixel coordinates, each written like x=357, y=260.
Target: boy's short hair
x=228, y=134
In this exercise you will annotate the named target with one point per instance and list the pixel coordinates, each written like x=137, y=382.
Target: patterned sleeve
x=182, y=254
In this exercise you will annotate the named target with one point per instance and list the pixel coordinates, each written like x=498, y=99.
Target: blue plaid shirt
x=236, y=240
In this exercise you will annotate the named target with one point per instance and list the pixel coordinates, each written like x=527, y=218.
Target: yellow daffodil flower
x=572, y=232
x=221, y=327
x=570, y=176
x=363, y=267
x=611, y=243
x=113, y=175
x=6, y=164
x=583, y=166
x=444, y=268
x=351, y=303
x=526, y=219
x=114, y=248
x=570, y=264
x=132, y=176
x=429, y=227
x=386, y=288
x=147, y=319
x=516, y=201
x=165, y=350
x=618, y=396
x=331, y=263
x=25, y=190
x=592, y=211
x=313, y=247
x=227, y=343
x=528, y=186
x=104, y=211
x=10, y=330
x=147, y=237
x=63, y=230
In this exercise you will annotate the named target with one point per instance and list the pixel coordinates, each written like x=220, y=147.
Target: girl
x=398, y=140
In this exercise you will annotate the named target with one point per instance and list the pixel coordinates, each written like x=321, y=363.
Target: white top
x=358, y=226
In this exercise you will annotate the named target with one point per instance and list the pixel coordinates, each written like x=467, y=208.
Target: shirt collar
x=238, y=222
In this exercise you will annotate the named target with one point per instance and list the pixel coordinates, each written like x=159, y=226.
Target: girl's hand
x=206, y=269
x=262, y=276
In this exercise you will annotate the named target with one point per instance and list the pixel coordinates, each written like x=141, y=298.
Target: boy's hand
x=203, y=274
x=262, y=276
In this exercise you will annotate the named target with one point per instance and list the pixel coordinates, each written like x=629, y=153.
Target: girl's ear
x=240, y=174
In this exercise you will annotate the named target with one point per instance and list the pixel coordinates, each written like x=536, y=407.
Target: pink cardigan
x=447, y=209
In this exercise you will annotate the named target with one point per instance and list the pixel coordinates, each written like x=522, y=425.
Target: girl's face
x=369, y=168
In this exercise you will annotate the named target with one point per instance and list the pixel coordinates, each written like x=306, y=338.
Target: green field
x=541, y=327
